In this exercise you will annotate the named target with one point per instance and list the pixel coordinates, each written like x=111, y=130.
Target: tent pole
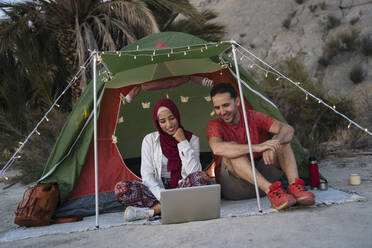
x=95, y=134
x=246, y=127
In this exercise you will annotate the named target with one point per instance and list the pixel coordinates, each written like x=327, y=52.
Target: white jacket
x=151, y=158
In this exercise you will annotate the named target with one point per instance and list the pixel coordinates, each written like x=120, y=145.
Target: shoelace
x=277, y=192
x=299, y=187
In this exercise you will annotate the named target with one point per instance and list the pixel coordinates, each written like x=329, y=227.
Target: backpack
x=38, y=205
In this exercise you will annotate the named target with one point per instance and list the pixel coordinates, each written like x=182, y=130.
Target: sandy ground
x=344, y=225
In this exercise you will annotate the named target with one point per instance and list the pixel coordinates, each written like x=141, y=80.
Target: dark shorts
x=233, y=188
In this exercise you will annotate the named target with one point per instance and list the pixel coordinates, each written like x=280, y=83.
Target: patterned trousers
x=134, y=193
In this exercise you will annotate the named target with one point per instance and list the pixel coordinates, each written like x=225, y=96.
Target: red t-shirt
x=259, y=126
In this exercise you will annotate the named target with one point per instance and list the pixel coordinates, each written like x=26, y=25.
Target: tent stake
x=95, y=134
x=246, y=127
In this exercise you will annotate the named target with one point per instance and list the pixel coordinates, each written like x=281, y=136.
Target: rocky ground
x=344, y=225
x=275, y=30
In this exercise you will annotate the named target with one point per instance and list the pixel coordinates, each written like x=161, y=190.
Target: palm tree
x=82, y=25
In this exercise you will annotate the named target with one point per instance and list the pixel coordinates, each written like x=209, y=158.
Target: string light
x=208, y=98
x=168, y=55
x=251, y=66
x=188, y=47
x=57, y=105
x=71, y=82
x=201, y=49
x=120, y=54
x=184, y=99
x=152, y=58
x=277, y=79
x=320, y=101
x=348, y=126
x=266, y=74
x=20, y=142
x=366, y=130
x=145, y=105
x=298, y=83
x=206, y=47
x=171, y=50
x=153, y=54
x=135, y=57
x=241, y=58
x=334, y=107
x=307, y=97
x=184, y=53
x=6, y=178
x=137, y=47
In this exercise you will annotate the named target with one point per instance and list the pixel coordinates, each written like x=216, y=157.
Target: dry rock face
x=329, y=37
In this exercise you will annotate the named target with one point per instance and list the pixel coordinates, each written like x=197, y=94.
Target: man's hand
x=272, y=145
x=179, y=135
x=269, y=157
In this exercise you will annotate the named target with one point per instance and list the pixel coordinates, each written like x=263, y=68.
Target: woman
x=170, y=159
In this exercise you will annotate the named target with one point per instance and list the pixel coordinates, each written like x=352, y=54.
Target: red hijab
x=168, y=143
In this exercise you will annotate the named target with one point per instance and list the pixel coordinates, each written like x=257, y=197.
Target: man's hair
x=223, y=88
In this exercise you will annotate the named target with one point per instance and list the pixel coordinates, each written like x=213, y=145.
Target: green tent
x=156, y=59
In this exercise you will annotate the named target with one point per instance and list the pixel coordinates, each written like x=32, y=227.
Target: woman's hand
x=179, y=135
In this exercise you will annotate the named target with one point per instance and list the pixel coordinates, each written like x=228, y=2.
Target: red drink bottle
x=314, y=173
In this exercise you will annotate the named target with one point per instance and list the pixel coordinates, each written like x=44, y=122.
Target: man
x=228, y=141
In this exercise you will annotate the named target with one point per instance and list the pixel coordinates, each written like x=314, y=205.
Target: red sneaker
x=279, y=198
x=303, y=197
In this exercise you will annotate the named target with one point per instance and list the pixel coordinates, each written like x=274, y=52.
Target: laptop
x=190, y=204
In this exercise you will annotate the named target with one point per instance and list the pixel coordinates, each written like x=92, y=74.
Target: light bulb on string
x=57, y=105
x=217, y=45
x=20, y=142
x=188, y=47
x=251, y=66
x=120, y=54
x=366, y=130
x=298, y=83
x=19, y=156
x=135, y=57
x=320, y=101
x=241, y=58
x=83, y=67
x=46, y=118
x=152, y=58
x=168, y=55
x=334, y=107
x=266, y=74
x=348, y=126
x=153, y=54
x=6, y=178
x=171, y=50
x=201, y=49
x=206, y=47
x=277, y=79
x=184, y=53
x=137, y=47
x=307, y=97
x=38, y=133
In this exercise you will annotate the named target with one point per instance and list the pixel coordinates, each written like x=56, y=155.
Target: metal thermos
x=314, y=173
